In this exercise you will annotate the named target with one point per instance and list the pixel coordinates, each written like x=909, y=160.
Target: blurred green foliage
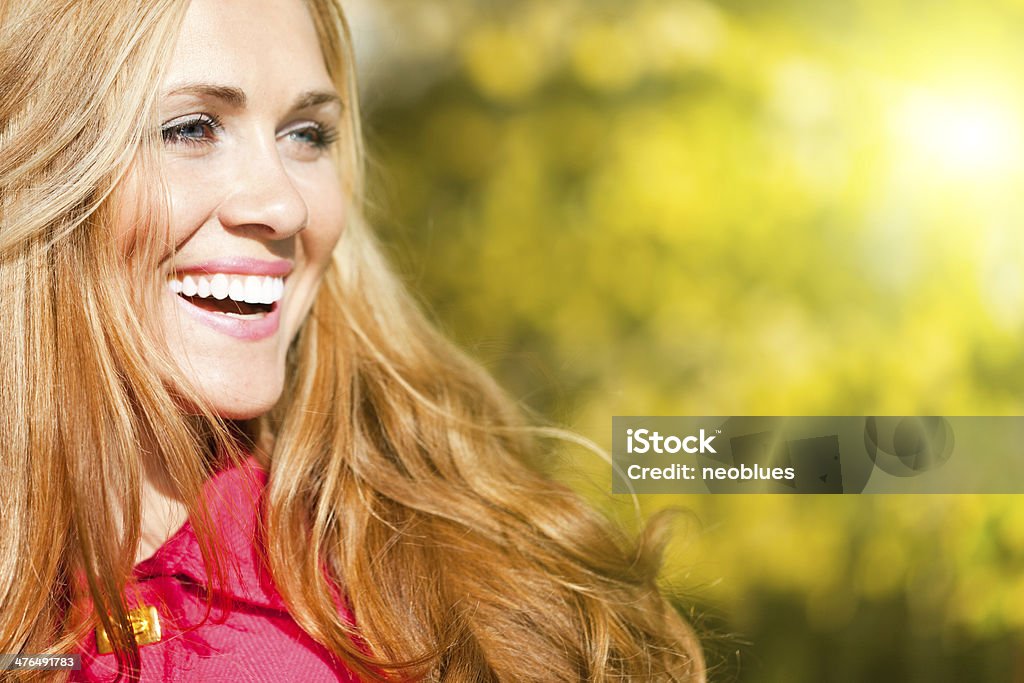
x=738, y=207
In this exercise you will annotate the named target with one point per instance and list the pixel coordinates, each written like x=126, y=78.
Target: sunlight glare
x=965, y=136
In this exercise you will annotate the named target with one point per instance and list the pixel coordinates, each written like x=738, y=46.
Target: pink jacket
x=249, y=636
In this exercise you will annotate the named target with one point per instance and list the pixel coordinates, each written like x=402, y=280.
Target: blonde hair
x=399, y=471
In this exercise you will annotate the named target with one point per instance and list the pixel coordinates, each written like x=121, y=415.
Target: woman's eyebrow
x=314, y=98
x=230, y=95
x=236, y=98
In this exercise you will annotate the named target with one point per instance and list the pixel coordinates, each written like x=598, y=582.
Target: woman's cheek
x=327, y=208
x=193, y=200
x=131, y=213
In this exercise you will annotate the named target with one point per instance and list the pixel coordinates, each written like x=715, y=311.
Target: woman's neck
x=162, y=510
x=162, y=514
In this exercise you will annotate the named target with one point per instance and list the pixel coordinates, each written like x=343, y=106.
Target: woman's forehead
x=257, y=45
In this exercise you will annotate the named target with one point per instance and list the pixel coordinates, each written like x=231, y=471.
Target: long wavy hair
x=399, y=472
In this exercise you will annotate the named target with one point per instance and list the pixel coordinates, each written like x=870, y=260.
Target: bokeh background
x=727, y=207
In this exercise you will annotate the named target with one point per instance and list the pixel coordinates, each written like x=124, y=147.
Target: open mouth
x=237, y=296
x=239, y=309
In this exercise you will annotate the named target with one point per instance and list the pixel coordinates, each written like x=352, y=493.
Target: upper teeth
x=251, y=289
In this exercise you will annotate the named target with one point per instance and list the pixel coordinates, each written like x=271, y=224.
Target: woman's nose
x=261, y=195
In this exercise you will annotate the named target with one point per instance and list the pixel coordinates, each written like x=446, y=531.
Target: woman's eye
x=314, y=135
x=196, y=129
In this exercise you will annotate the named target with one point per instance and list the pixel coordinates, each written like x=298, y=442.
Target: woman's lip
x=238, y=266
x=253, y=329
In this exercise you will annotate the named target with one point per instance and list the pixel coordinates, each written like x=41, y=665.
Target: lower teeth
x=245, y=316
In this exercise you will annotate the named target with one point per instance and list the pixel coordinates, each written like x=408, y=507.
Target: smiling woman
x=249, y=115
x=233, y=448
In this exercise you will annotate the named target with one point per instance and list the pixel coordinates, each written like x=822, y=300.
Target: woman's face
x=248, y=114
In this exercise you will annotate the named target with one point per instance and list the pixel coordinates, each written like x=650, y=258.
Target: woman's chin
x=243, y=412
x=231, y=403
